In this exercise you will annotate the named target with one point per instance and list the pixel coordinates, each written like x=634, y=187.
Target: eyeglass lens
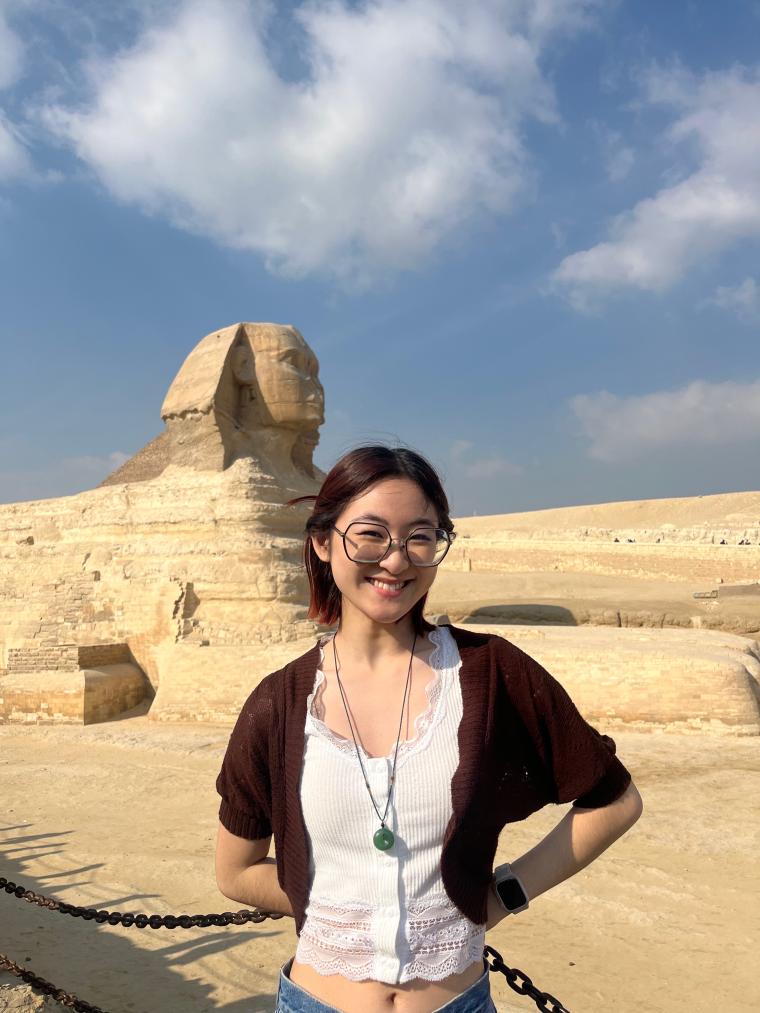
x=367, y=543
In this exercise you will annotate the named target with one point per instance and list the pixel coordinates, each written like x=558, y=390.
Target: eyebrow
x=381, y=520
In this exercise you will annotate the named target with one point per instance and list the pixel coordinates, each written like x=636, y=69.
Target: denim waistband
x=291, y=998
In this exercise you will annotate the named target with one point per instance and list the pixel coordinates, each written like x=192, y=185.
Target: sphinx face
x=287, y=373
x=243, y=368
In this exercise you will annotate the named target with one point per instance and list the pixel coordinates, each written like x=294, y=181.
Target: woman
x=386, y=760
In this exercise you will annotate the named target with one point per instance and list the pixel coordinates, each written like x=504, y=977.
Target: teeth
x=386, y=585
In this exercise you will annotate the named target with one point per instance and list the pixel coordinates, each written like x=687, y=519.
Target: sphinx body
x=187, y=560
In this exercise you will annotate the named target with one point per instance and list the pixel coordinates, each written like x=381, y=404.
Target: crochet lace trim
x=439, y=940
x=442, y=661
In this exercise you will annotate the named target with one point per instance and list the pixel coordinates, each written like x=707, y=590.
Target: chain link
x=139, y=921
x=521, y=983
x=64, y=998
x=516, y=979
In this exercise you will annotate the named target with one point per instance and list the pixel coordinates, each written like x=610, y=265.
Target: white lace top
x=374, y=914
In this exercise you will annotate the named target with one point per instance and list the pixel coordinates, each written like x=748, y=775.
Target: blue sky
x=521, y=237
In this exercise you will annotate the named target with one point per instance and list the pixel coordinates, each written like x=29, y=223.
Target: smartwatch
x=509, y=889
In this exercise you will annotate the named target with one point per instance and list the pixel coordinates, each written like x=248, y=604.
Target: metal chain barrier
x=64, y=998
x=140, y=921
x=544, y=1000
x=516, y=979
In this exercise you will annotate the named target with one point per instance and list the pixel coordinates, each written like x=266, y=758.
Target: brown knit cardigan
x=522, y=744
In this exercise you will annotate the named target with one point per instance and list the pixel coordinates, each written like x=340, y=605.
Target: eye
x=291, y=357
x=368, y=533
x=423, y=536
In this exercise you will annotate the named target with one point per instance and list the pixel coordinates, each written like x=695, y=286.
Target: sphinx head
x=249, y=390
x=286, y=372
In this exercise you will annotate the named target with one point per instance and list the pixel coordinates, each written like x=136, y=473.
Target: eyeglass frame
x=399, y=542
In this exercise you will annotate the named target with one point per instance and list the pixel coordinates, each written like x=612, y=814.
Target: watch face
x=511, y=893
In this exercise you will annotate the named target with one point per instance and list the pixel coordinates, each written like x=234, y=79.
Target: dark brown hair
x=351, y=476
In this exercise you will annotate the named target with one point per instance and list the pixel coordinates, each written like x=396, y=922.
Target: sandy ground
x=122, y=816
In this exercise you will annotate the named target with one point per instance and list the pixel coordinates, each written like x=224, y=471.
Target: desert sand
x=732, y=509
x=122, y=816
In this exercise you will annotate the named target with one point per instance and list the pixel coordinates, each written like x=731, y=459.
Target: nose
x=395, y=562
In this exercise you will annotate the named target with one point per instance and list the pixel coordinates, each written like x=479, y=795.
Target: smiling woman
x=397, y=494
x=386, y=760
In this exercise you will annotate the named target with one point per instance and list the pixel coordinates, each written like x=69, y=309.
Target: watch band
x=509, y=889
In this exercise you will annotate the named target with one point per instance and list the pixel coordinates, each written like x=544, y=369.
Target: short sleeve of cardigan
x=244, y=781
x=581, y=763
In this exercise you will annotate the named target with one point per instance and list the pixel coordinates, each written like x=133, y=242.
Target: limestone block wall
x=685, y=680
x=679, y=680
x=211, y=557
x=665, y=534
x=210, y=683
x=98, y=655
x=82, y=696
x=697, y=538
x=51, y=658
x=703, y=562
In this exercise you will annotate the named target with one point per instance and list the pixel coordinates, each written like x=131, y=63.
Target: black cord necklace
x=383, y=838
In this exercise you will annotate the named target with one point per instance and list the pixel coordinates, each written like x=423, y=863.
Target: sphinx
x=181, y=575
x=250, y=390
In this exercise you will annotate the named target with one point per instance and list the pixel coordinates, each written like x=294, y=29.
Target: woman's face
x=384, y=591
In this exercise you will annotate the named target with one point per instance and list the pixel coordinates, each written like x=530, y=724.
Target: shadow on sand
x=102, y=965
x=522, y=614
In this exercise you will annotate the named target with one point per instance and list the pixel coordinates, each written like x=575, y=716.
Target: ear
x=321, y=545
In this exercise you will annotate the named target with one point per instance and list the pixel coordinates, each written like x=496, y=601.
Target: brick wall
x=51, y=658
x=97, y=655
x=686, y=562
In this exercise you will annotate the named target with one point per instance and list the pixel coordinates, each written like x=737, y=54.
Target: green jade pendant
x=383, y=839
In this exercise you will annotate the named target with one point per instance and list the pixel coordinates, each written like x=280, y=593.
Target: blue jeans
x=294, y=999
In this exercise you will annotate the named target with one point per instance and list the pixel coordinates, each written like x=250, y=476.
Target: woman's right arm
x=244, y=873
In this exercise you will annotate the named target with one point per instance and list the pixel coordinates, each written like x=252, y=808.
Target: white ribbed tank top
x=380, y=915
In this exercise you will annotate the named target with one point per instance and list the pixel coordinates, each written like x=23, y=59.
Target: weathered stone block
x=687, y=680
x=82, y=697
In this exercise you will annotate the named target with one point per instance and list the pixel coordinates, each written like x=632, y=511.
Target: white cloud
x=743, y=299
x=96, y=466
x=701, y=414
x=717, y=204
x=559, y=234
x=617, y=157
x=11, y=50
x=619, y=162
x=459, y=448
x=479, y=467
x=13, y=157
x=490, y=467
x=66, y=477
x=406, y=126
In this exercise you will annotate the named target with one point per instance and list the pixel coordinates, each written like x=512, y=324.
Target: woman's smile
x=382, y=519
x=388, y=588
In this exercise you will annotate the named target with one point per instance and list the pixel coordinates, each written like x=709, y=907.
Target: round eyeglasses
x=370, y=543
